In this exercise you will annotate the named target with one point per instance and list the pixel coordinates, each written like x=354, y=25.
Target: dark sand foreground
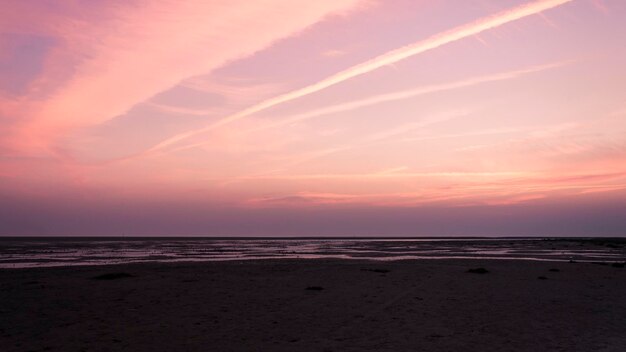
x=266, y=306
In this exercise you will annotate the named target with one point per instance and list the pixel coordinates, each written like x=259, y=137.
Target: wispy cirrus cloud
x=396, y=96
x=388, y=58
x=492, y=189
x=150, y=46
x=388, y=175
x=395, y=133
x=406, y=94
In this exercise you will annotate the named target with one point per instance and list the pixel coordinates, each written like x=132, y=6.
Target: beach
x=313, y=176
x=316, y=305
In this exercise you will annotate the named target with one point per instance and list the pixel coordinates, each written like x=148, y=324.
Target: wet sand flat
x=315, y=305
x=68, y=251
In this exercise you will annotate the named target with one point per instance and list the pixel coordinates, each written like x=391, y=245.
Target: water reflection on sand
x=21, y=253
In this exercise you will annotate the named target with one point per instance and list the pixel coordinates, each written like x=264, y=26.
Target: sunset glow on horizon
x=343, y=117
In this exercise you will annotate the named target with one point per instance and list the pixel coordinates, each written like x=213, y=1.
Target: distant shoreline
x=143, y=238
x=80, y=251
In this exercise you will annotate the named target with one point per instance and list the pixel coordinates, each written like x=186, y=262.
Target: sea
x=25, y=252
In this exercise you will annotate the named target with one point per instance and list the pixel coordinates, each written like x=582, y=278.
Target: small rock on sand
x=382, y=271
x=478, y=271
x=112, y=276
x=314, y=288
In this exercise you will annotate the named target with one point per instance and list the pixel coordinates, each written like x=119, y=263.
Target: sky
x=313, y=118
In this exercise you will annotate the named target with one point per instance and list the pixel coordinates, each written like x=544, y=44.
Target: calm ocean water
x=44, y=252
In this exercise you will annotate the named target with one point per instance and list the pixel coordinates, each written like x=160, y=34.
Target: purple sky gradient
x=71, y=217
x=313, y=118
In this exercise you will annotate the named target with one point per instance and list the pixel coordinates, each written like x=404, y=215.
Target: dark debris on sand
x=554, y=270
x=112, y=276
x=382, y=271
x=478, y=271
x=314, y=288
x=542, y=278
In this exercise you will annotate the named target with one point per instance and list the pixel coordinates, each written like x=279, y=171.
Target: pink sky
x=288, y=114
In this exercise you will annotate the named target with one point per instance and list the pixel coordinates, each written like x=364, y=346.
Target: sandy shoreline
x=421, y=305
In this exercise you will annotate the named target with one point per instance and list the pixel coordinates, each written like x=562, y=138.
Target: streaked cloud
x=388, y=58
x=276, y=110
x=150, y=46
x=406, y=94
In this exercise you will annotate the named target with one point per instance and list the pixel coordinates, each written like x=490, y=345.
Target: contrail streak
x=394, y=96
x=382, y=98
x=388, y=58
